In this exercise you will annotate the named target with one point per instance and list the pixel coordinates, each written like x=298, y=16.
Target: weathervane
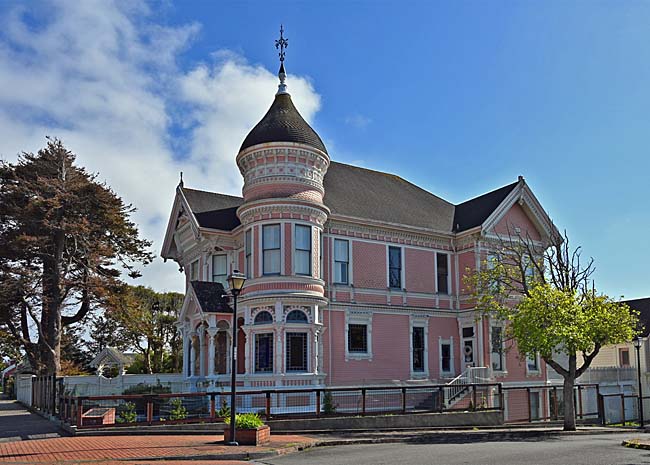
x=281, y=44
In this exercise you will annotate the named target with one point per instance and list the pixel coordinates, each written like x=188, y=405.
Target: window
x=534, y=405
x=263, y=318
x=531, y=363
x=296, y=351
x=194, y=270
x=445, y=357
x=357, y=338
x=264, y=353
x=394, y=267
x=496, y=355
x=271, y=249
x=442, y=273
x=302, y=256
x=248, y=251
x=468, y=345
x=220, y=269
x=296, y=316
x=624, y=357
x=341, y=261
x=418, y=349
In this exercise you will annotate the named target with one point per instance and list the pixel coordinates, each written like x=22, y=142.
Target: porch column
x=315, y=351
x=202, y=352
x=186, y=345
x=212, y=332
x=192, y=354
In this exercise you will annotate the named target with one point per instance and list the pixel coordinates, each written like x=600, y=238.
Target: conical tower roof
x=283, y=123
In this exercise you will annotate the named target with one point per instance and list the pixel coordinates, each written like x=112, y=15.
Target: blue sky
x=458, y=97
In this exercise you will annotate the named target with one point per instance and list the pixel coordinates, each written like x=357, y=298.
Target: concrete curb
x=636, y=444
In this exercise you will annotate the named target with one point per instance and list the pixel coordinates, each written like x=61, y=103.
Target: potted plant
x=251, y=430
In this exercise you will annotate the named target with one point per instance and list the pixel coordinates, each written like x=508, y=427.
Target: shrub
x=224, y=411
x=143, y=388
x=328, y=403
x=127, y=413
x=246, y=421
x=178, y=412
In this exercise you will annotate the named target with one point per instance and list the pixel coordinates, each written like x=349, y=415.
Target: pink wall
x=517, y=217
x=419, y=268
x=369, y=265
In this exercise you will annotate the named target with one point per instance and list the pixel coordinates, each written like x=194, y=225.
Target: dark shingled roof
x=643, y=307
x=211, y=296
x=363, y=193
x=212, y=210
x=475, y=211
x=283, y=123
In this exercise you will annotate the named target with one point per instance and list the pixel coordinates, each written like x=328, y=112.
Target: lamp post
x=236, y=282
x=637, y=345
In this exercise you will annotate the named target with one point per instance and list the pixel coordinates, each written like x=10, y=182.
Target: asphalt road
x=571, y=450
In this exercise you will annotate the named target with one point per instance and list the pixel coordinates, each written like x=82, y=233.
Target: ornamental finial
x=281, y=44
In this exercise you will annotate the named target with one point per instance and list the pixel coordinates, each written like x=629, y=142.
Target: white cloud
x=358, y=120
x=102, y=76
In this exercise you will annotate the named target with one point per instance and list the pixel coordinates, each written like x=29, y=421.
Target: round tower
x=283, y=162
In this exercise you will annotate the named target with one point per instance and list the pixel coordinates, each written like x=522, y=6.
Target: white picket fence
x=24, y=389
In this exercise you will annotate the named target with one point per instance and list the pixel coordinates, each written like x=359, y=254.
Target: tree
x=545, y=294
x=65, y=240
x=147, y=320
x=74, y=359
x=105, y=332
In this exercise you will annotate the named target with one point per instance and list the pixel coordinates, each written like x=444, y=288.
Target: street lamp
x=236, y=282
x=637, y=345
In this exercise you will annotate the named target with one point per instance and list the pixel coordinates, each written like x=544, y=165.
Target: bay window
x=271, y=249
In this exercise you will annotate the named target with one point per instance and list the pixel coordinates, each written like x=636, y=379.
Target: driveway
x=19, y=424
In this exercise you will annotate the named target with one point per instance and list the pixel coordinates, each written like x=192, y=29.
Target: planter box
x=98, y=417
x=250, y=437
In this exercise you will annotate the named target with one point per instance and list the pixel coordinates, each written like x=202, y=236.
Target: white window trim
x=504, y=364
x=402, y=270
x=261, y=244
x=198, y=270
x=539, y=367
x=293, y=249
x=540, y=404
x=264, y=329
x=452, y=368
x=297, y=328
x=358, y=318
x=474, y=339
x=435, y=275
x=211, y=266
x=249, y=273
x=333, y=261
x=419, y=322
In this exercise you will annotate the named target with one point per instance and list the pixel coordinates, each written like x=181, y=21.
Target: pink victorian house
x=354, y=275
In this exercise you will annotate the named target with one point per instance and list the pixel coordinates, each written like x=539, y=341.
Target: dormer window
x=220, y=269
x=194, y=270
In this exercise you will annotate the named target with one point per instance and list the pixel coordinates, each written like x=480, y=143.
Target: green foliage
x=246, y=421
x=328, y=403
x=224, y=410
x=143, y=388
x=127, y=413
x=178, y=412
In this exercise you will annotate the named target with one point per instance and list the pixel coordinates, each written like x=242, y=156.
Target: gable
x=517, y=222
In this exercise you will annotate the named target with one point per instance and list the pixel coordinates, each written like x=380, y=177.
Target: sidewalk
x=124, y=449
x=18, y=424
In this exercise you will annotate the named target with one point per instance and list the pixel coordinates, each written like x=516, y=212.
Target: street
x=574, y=450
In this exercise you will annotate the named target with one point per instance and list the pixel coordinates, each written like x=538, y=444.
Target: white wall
x=100, y=386
x=24, y=389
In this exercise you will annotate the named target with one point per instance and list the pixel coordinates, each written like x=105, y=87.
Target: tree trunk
x=569, y=404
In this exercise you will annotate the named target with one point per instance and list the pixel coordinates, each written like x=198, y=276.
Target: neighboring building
x=354, y=275
x=111, y=362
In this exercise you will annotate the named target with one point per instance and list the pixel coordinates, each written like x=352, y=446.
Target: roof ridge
x=486, y=193
x=213, y=193
x=394, y=176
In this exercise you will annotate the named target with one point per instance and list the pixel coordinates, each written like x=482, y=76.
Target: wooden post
x=318, y=402
x=213, y=412
x=623, y=409
x=403, y=400
x=530, y=413
x=441, y=399
x=363, y=401
x=580, y=401
x=601, y=409
x=79, y=411
x=555, y=406
x=53, y=396
x=268, y=404
x=474, y=397
x=149, y=409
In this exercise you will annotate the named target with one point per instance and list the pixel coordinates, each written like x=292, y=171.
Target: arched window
x=297, y=316
x=263, y=318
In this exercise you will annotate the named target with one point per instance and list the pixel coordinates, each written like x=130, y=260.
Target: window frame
x=265, y=250
x=537, y=370
x=400, y=268
x=621, y=351
x=256, y=362
x=452, y=369
x=248, y=253
x=287, y=352
x=296, y=250
x=346, y=262
x=225, y=281
x=364, y=328
x=197, y=269
x=447, y=274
